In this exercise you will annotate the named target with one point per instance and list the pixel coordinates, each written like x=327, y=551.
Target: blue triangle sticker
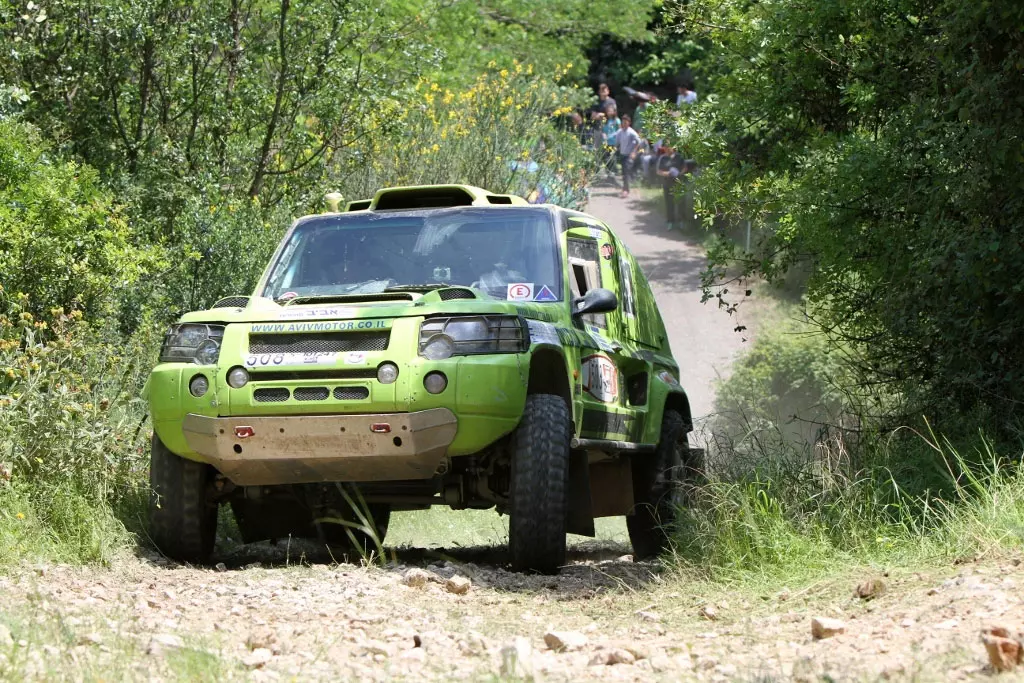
x=545, y=294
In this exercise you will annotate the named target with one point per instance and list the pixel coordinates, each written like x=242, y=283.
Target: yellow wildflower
x=20, y=515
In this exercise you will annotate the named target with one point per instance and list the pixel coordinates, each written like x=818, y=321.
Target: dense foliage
x=877, y=143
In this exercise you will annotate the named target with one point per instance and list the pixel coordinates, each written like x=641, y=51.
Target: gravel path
x=288, y=613
x=702, y=337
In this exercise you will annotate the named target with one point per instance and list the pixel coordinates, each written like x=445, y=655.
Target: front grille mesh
x=318, y=342
x=311, y=393
x=351, y=393
x=271, y=395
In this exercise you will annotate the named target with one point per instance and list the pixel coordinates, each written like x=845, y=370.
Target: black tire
x=182, y=513
x=539, y=497
x=657, y=488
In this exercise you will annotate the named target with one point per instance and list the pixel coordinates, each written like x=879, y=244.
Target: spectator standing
x=604, y=98
x=670, y=168
x=627, y=142
x=686, y=95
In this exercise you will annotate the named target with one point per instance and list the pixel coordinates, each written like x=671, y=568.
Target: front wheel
x=539, y=499
x=182, y=514
x=657, y=488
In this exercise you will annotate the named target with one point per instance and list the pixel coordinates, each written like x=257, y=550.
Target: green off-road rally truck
x=437, y=345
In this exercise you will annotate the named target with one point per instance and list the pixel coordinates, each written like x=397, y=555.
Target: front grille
x=456, y=293
x=311, y=393
x=273, y=395
x=318, y=342
x=351, y=393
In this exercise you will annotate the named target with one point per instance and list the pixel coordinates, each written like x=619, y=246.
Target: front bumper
x=315, y=448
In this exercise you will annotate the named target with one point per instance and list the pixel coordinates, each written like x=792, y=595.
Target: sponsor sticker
x=545, y=294
x=600, y=378
x=355, y=358
x=543, y=333
x=323, y=312
x=666, y=377
x=606, y=251
x=520, y=291
x=276, y=359
x=323, y=326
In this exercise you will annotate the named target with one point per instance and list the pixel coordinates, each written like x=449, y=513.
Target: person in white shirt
x=627, y=143
x=685, y=96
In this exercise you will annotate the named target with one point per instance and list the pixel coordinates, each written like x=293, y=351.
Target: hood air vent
x=456, y=293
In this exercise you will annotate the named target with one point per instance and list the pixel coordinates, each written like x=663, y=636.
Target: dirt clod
x=415, y=577
x=565, y=641
x=459, y=585
x=826, y=627
x=709, y=612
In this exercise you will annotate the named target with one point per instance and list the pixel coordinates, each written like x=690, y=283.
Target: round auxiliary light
x=198, y=385
x=438, y=347
x=387, y=373
x=435, y=382
x=238, y=377
x=208, y=352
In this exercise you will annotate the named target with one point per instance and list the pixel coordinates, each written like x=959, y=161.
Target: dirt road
x=701, y=335
x=285, y=612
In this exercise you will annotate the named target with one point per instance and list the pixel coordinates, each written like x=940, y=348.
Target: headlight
x=188, y=342
x=469, y=335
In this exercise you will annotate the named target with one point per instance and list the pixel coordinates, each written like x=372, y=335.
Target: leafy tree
x=64, y=243
x=878, y=144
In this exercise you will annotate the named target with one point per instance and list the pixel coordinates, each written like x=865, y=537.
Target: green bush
x=63, y=240
x=71, y=449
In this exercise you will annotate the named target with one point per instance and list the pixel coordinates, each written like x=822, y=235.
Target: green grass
x=441, y=527
x=783, y=523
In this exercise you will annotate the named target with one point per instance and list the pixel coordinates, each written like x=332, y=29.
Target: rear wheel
x=538, y=501
x=182, y=513
x=657, y=488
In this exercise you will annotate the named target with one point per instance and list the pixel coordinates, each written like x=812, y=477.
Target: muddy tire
x=657, y=488
x=182, y=515
x=539, y=497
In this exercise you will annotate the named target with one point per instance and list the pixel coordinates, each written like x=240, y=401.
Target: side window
x=586, y=272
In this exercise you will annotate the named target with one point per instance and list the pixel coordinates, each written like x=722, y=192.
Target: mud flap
x=581, y=514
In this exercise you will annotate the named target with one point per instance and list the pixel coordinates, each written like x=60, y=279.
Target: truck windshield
x=507, y=253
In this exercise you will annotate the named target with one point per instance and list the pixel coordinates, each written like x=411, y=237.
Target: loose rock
x=565, y=641
x=870, y=589
x=612, y=656
x=825, y=627
x=415, y=577
x=459, y=585
x=1005, y=651
x=708, y=612
x=257, y=658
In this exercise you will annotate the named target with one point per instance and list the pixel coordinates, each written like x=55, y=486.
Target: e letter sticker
x=520, y=291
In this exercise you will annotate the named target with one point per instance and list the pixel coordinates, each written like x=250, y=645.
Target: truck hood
x=389, y=305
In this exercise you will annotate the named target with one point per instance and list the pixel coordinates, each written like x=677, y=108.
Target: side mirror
x=598, y=300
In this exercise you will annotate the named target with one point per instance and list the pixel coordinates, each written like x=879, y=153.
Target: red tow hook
x=244, y=432
x=380, y=428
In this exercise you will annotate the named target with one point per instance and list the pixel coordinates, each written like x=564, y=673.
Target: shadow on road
x=592, y=567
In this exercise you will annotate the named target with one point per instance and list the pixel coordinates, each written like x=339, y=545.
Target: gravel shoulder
x=618, y=620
